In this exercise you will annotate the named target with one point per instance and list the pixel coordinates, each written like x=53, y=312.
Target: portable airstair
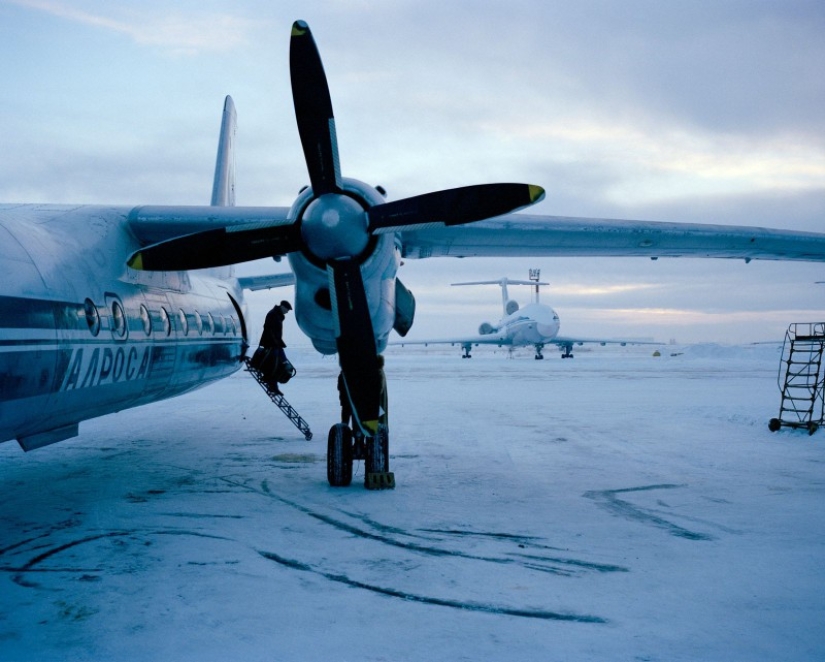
x=801, y=378
x=280, y=401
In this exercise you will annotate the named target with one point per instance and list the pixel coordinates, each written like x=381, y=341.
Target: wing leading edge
x=499, y=339
x=502, y=340
x=529, y=235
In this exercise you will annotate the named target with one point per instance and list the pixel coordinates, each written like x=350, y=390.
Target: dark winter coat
x=272, y=337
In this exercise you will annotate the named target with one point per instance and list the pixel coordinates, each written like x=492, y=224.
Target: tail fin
x=505, y=296
x=223, y=188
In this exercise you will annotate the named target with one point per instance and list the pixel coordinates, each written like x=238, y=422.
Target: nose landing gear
x=343, y=447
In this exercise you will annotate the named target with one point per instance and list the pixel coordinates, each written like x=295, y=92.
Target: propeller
x=357, y=354
x=313, y=111
x=335, y=227
x=452, y=206
x=214, y=248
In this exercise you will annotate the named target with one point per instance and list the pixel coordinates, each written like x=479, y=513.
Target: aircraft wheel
x=774, y=424
x=339, y=456
x=378, y=455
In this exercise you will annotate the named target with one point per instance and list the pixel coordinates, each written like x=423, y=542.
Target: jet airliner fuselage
x=532, y=324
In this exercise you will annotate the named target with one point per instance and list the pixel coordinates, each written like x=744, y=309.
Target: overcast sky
x=678, y=111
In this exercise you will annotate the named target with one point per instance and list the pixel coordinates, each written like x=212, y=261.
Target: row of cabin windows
x=211, y=324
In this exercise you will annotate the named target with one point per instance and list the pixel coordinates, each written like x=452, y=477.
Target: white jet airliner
x=533, y=324
x=108, y=307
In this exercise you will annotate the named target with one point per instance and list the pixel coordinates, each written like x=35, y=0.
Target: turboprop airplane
x=109, y=307
x=534, y=324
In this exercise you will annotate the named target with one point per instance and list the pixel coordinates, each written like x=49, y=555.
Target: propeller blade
x=356, y=342
x=217, y=248
x=313, y=111
x=453, y=206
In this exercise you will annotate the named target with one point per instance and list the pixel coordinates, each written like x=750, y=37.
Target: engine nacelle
x=404, y=309
x=485, y=329
x=379, y=265
x=511, y=306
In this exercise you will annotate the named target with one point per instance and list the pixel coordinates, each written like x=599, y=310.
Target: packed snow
x=616, y=506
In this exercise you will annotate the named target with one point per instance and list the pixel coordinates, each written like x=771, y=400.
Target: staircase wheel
x=339, y=456
x=774, y=424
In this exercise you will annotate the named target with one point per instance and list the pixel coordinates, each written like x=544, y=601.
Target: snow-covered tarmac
x=611, y=507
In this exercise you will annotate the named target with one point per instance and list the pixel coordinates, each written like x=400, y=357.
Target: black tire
x=378, y=452
x=339, y=456
x=774, y=424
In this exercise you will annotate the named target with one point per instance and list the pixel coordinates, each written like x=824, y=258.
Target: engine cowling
x=486, y=329
x=379, y=264
x=511, y=307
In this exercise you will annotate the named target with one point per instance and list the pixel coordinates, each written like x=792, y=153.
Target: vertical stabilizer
x=223, y=188
x=505, y=295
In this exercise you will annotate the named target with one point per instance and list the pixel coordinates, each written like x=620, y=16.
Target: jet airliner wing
x=502, y=340
x=499, y=339
x=572, y=340
x=530, y=235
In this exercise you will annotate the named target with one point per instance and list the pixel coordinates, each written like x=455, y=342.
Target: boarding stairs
x=801, y=378
x=279, y=400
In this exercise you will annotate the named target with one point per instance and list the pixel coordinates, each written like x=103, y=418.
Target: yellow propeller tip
x=536, y=192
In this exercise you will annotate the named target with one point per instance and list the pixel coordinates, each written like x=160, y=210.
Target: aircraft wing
x=529, y=235
x=195, y=237
x=502, y=340
x=487, y=339
x=266, y=282
x=178, y=237
x=152, y=224
x=571, y=340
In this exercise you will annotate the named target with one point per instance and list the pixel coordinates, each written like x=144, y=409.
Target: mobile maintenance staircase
x=801, y=378
x=280, y=401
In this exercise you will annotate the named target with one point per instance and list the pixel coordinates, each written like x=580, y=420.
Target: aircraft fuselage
x=533, y=324
x=82, y=335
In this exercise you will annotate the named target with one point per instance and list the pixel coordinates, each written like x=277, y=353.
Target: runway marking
x=609, y=500
x=454, y=604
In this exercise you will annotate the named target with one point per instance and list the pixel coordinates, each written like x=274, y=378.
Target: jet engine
x=486, y=329
x=511, y=306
